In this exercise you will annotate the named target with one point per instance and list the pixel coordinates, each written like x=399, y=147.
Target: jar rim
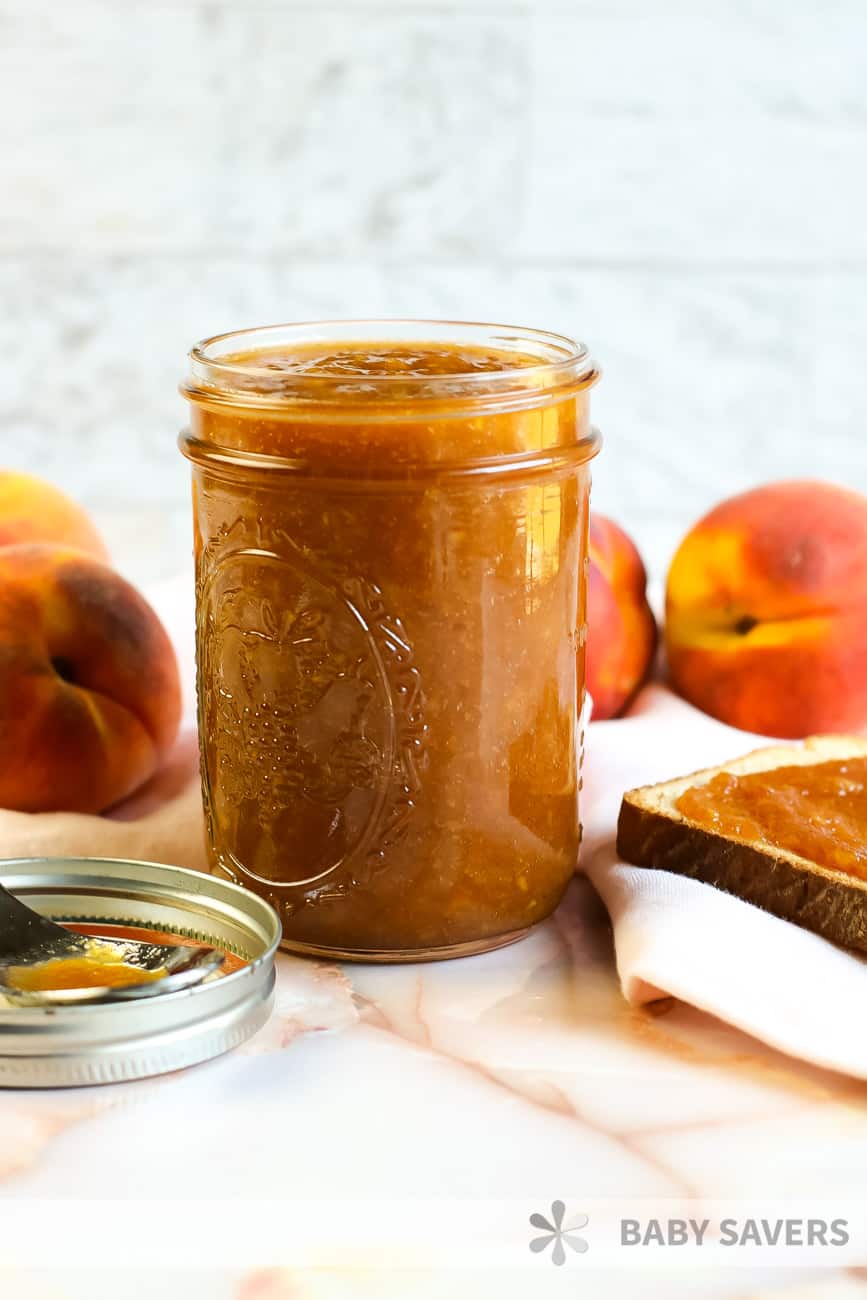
x=217, y=375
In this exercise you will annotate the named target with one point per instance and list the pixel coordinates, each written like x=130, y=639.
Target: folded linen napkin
x=681, y=938
x=673, y=937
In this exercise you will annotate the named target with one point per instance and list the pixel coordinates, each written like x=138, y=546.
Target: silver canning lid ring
x=106, y=1043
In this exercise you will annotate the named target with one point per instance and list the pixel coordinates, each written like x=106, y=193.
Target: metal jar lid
x=43, y=1047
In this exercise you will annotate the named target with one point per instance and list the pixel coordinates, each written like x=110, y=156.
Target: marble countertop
x=389, y=1108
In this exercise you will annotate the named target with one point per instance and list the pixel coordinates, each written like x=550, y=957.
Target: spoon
x=28, y=939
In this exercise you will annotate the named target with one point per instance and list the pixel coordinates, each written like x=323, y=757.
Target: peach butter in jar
x=391, y=537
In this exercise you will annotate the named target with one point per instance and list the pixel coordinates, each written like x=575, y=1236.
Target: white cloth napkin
x=678, y=937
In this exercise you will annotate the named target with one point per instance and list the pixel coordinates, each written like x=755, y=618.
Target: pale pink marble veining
x=520, y=1074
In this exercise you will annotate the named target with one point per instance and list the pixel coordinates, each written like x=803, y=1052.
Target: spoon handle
x=22, y=929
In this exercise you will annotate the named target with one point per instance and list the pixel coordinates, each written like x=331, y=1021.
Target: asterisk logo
x=556, y=1232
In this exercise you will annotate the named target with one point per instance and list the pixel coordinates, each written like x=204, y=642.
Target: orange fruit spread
x=817, y=810
x=390, y=659
x=361, y=361
x=100, y=966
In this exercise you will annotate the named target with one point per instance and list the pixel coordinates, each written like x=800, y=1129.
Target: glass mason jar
x=391, y=542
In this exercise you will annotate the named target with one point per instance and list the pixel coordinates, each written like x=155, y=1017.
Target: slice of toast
x=651, y=832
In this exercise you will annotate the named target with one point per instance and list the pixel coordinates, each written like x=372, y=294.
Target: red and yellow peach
x=621, y=629
x=766, y=603
x=89, y=688
x=34, y=511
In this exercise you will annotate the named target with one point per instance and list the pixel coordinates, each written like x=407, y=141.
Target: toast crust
x=652, y=833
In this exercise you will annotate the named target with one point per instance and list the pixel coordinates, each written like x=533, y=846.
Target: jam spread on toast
x=817, y=810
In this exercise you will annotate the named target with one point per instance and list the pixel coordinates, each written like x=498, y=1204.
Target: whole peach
x=621, y=629
x=34, y=511
x=767, y=610
x=89, y=688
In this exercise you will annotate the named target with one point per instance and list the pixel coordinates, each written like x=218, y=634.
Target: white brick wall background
x=682, y=184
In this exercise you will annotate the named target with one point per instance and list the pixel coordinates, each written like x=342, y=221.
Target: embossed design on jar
x=312, y=722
